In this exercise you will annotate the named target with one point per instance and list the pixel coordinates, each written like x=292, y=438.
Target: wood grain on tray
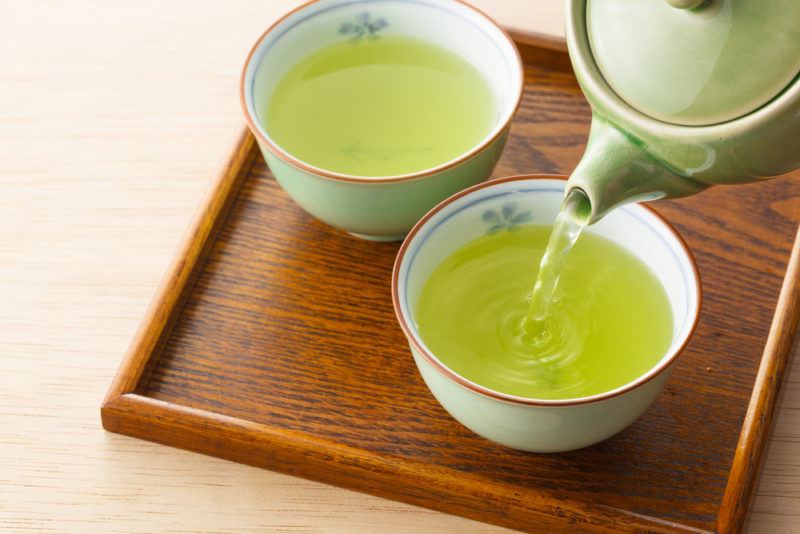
x=273, y=343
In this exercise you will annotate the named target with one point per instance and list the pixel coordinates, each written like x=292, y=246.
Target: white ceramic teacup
x=382, y=208
x=534, y=424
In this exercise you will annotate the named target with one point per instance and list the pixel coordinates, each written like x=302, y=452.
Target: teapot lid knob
x=686, y=4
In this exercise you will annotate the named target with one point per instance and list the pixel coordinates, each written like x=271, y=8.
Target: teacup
x=383, y=208
x=534, y=424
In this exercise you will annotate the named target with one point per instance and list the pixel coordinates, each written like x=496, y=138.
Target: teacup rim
x=480, y=147
x=664, y=363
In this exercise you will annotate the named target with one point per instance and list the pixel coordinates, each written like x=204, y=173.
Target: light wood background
x=113, y=118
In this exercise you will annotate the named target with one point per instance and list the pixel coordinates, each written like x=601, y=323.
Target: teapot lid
x=695, y=62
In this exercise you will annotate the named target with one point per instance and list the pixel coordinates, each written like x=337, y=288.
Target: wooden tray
x=272, y=342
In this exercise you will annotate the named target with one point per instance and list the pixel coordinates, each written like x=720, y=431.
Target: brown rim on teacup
x=460, y=380
x=476, y=150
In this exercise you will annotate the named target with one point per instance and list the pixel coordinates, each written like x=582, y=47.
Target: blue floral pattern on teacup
x=364, y=26
x=508, y=218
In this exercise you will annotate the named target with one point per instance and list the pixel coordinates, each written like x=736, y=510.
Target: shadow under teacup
x=381, y=207
x=530, y=424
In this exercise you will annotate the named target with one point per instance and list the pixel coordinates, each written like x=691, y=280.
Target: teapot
x=685, y=94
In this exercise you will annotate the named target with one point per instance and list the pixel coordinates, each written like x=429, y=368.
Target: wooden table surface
x=113, y=118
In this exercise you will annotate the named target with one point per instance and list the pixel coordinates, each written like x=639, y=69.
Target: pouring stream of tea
x=569, y=224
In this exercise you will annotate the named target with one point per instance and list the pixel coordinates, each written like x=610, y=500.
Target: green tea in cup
x=368, y=114
x=624, y=307
x=608, y=323
x=381, y=106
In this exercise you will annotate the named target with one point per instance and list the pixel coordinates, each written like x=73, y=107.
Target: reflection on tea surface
x=609, y=320
x=385, y=106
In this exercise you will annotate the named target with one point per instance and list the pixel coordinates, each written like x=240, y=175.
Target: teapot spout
x=617, y=169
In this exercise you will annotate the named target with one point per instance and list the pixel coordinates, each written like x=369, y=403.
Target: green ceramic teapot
x=685, y=94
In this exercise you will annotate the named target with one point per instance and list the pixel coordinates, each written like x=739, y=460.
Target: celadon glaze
x=695, y=67
x=524, y=423
x=539, y=428
x=638, y=148
x=380, y=211
x=384, y=207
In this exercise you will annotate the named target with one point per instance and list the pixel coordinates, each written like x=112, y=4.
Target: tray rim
x=125, y=411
